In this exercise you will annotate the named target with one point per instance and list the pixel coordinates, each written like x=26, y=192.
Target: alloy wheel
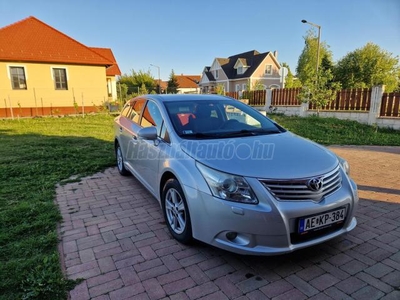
x=175, y=211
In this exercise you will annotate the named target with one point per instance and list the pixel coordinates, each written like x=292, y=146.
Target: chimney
x=276, y=54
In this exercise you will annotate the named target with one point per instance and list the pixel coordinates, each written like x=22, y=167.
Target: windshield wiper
x=247, y=132
x=200, y=135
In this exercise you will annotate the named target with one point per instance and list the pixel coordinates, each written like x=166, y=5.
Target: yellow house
x=44, y=72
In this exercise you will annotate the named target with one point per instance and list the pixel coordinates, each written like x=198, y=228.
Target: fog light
x=231, y=235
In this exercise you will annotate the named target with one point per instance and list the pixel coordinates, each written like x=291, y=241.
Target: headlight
x=227, y=186
x=345, y=165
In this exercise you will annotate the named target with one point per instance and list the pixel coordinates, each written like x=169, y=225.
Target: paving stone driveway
x=113, y=235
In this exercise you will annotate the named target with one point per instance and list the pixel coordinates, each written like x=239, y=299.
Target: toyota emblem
x=315, y=184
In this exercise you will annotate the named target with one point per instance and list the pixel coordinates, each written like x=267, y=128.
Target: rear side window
x=125, y=112
x=136, y=109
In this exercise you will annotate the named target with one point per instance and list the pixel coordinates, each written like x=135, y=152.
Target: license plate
x=323, y=220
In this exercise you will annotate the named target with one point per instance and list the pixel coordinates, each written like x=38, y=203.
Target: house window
x=240, y=70
x=18, y=79
x=109, y=88
x=244, y=87
x=216, y=73
x=60, y=79
x=268, y=69
x=237, y=87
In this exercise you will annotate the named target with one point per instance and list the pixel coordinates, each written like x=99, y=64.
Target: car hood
x=280, y=156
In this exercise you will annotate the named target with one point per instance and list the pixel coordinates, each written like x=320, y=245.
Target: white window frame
x=237, y=87
x=268, y=66
x=66, y=76
x=240, y=70
x=216, y=74
x=25, y=73
x=244, y=86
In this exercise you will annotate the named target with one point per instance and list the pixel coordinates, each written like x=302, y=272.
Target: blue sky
x=186, y=35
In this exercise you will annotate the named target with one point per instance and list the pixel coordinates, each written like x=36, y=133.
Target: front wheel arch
x=176, y=211
x=164, y=178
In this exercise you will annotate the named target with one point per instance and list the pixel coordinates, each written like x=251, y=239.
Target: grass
x=36, y=154
x=331, y=131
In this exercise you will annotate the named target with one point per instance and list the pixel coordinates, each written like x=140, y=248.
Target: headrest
x=203, y=111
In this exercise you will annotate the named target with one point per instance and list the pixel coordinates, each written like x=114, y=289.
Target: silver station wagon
x=228, y=176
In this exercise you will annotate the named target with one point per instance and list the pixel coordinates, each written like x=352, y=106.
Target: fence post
x=5, y=105
x=268, y=99
x=34, y=95
x=11, y=108
x=303, y=109
x=376, y=100
x=83, y=107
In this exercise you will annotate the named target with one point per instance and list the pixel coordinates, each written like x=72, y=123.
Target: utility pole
x=159, y=79
x=319, y=41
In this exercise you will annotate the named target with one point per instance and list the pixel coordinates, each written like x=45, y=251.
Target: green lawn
x=331, y=131
x=36, y=154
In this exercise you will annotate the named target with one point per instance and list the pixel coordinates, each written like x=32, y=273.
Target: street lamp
x=159, y=80
x=319, y=39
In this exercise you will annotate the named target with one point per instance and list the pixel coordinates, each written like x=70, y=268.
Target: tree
x=326, y=63
x=122, y=92
x=172, y=83
x=320, y=92
x=290, y=80
x=135, y=81
x=220, y=89
x=368, y=66
x=143, y=90
x=258, y=86
x=306, y=65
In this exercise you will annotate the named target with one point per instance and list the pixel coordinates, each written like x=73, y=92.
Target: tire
x=176, y=212
x=120, y=161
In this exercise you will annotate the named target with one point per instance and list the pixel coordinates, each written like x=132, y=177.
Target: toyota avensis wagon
x=226, y=175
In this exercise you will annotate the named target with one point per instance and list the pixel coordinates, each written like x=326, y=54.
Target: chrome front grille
x=299, y=189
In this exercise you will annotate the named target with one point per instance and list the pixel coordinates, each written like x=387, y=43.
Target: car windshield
x=222, y=118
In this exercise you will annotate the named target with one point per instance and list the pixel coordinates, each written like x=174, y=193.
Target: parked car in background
x=227, y=175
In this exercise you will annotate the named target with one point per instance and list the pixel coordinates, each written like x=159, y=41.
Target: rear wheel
x=176, y=212
x=120, y=161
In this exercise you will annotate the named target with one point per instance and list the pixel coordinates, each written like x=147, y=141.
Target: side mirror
x=148, y=133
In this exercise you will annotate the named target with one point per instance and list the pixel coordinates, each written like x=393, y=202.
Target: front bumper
x=268, y=228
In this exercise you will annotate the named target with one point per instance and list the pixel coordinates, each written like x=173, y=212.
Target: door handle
x=120, y=129
x=134, y=137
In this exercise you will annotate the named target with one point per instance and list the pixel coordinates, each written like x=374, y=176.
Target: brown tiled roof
x=107, y=53
x=31, y=40
x=188, y=81
x=163, y=84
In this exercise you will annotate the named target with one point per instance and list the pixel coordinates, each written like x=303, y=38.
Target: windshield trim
x=245, y=121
